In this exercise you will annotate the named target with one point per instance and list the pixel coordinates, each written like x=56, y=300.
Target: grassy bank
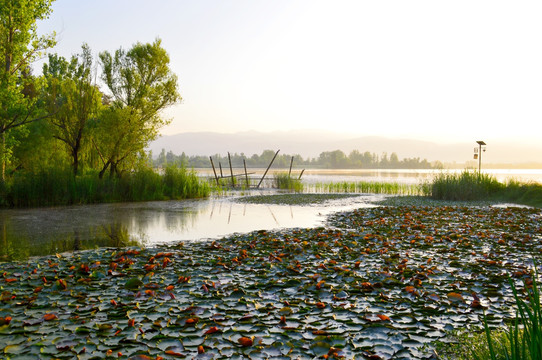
x=60, y=187
x=472, y=186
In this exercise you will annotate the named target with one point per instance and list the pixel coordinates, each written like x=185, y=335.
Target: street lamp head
x=480, y=142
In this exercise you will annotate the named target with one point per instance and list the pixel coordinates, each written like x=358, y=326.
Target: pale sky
x=441, y=70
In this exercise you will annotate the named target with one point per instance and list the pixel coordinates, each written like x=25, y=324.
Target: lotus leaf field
x=377, y=283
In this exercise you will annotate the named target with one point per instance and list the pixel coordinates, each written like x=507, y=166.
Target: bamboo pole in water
x=214, y=171
x=246, y=174
x=291, y=163
x=231, y=171
x=271, y=163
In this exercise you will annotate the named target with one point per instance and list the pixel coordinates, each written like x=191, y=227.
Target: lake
x=405, y=176
x=33, y=232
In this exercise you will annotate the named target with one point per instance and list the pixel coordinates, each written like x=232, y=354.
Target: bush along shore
x=384, y=282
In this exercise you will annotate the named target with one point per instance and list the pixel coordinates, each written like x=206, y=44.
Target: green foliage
x=372, y=187
x=81, y=132
x=58, y=186
x=181, y=184
x=72, y=99
x=20, y=45
x=286, y=182
x=471, y=185
x=141, y=86
x=468, y=185
x=464, y=345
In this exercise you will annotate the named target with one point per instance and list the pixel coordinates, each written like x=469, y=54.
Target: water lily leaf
x=133, y=284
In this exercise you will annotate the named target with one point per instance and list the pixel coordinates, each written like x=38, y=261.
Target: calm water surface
x=405, y=176
x=30, y=232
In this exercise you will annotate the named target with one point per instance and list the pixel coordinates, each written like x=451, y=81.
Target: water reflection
x=33, y=232
x=19, y=244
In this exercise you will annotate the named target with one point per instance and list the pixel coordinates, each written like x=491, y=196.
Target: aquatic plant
x=56, y=186
x=467, y=185
x=471, y=185
x=285, y=182
x=370, y=187
x=383, y=282
x=293, y=199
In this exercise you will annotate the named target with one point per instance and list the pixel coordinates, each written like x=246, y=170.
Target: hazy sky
x=442, y=70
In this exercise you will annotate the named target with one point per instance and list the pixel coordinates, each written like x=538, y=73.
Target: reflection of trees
x=16, y=246
x=12, y=247
x=116, y=235
x=37, y=232
x=109, y=235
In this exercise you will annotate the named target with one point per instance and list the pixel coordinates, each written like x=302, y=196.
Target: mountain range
x=310, y=144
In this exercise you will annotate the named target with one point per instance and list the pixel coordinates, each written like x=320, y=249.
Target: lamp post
x=480, y=143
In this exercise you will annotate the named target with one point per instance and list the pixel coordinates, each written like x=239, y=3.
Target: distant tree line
x=329, y=160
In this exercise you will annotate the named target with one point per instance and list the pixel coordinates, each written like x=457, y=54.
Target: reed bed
x=60, y=187
x=373, y=187
x=285, y=182
x=471, y=185
x=466, y=186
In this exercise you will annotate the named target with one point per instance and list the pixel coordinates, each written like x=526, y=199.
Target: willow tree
x=72, y=98
x=141, y=85
x=20, y=45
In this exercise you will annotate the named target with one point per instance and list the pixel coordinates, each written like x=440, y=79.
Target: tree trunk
x=75, y=151
x=112, y=170
x=3, y=154
x=75, y=154
x=104, y=169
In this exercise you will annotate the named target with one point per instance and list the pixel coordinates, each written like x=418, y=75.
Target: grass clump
x=466, y=186
x=464, y=345
x=471, y=185
x=284, y=181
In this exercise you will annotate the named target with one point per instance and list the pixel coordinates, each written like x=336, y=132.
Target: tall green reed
x=60, y=187
x=472, y=185
x=468, y=185
x=373, y=187
x=286, y=182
